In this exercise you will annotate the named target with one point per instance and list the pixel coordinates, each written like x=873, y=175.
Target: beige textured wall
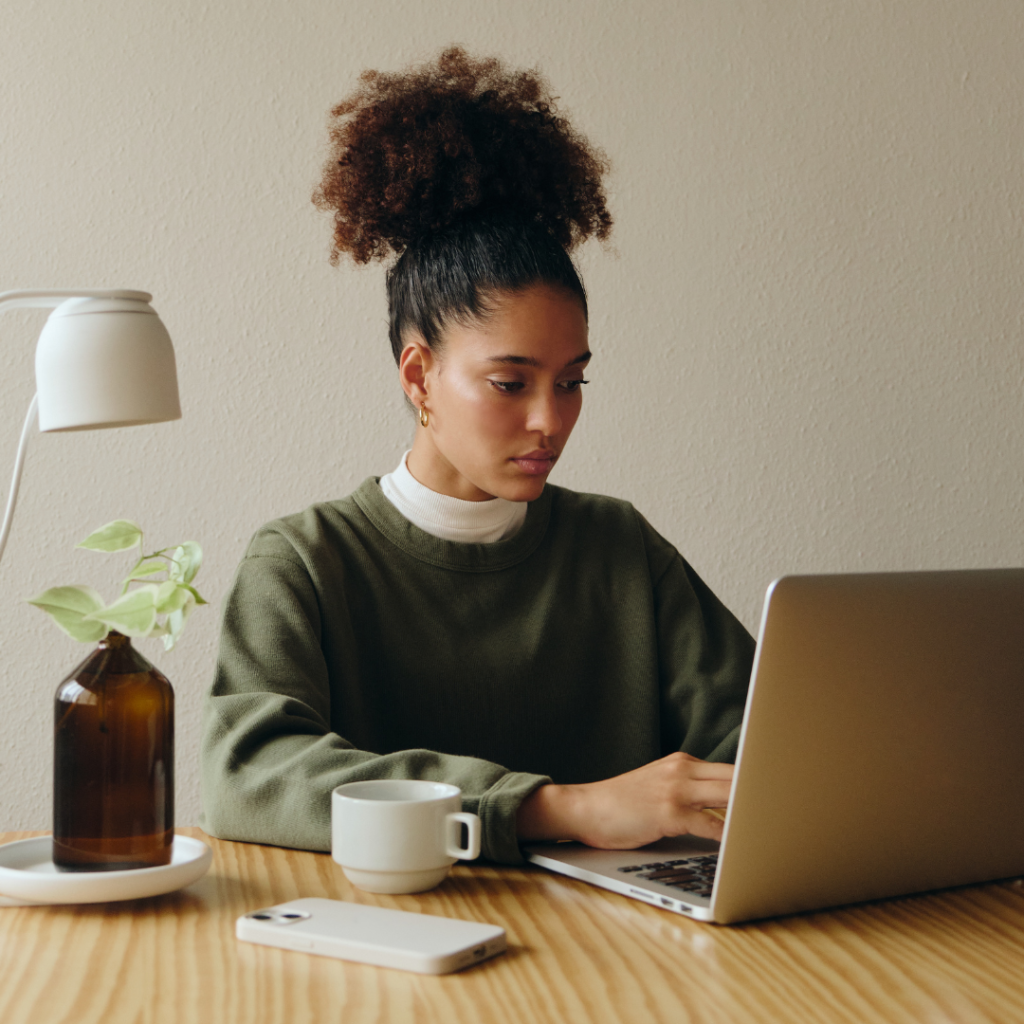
x=808, y=336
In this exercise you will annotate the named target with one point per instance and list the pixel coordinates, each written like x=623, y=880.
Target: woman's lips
x=536, y=463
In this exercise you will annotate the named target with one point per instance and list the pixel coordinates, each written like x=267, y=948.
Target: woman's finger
x=700, y=823
x=707, y=770
x=704, y=793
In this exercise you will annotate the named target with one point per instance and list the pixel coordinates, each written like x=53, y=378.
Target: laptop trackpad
x=611, y=860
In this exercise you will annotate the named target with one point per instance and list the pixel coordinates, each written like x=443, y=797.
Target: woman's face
x=502, y=397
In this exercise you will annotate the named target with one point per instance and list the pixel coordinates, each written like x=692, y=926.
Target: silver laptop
x=881, y=753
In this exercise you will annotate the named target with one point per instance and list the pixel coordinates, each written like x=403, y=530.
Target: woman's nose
x=544, y=416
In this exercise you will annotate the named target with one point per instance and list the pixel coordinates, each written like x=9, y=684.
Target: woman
x=460, y=619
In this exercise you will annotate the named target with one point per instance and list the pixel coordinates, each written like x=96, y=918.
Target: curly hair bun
x=413, y=153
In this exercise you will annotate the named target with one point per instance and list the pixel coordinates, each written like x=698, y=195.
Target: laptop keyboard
x=691, y=874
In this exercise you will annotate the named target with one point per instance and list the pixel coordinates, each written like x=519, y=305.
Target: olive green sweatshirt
x=357, y=646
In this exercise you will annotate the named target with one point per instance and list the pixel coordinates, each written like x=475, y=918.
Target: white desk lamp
x=104, y=359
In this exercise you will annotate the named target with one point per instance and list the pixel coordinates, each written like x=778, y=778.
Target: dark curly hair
x=463, y=171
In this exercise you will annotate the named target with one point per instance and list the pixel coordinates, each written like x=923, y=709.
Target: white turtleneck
x=452, y=518
x=467, y=522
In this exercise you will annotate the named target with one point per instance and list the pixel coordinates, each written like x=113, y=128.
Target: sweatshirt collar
x=449, y=554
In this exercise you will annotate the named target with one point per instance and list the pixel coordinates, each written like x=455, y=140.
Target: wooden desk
x=578, y=954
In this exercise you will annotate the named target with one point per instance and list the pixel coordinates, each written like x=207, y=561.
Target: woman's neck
x=429, y=467
x=449, y=517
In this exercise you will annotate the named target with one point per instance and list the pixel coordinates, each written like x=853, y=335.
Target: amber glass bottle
x=113, y=779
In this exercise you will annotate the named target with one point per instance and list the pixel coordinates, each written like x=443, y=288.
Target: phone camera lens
x=291, y=917
x=260, y=917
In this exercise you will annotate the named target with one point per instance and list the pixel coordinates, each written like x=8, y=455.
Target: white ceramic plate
x=29, y=876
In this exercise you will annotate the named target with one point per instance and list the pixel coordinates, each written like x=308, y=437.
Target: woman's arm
x=664, y=798
x=270, y=755
x=705, y=657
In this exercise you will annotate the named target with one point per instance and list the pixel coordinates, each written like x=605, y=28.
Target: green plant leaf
x=172, y=596
x=147, y=565
x=186, y=560
x=80, y=611
x=147, y=569
x=119, y=535
x=176, y=624
x=68, y=607
x=134, y=614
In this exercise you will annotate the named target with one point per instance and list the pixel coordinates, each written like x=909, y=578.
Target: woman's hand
x=663, y=798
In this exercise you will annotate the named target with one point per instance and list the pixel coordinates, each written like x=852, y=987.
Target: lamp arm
x=19, y=463
x=50, y=298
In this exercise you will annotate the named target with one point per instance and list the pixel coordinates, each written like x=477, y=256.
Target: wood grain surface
x=577, y=954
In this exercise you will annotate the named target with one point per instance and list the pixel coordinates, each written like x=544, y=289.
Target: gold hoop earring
x=424, y=416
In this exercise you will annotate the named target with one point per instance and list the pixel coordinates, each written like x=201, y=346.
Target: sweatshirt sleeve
x=270, y=758
x=705, y=657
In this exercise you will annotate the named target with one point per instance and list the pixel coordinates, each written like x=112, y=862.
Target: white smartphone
x=373, y=935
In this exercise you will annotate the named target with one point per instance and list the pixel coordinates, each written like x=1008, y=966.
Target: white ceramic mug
x=400, y=835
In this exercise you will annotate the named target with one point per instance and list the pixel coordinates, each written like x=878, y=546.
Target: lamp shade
x=105, y=362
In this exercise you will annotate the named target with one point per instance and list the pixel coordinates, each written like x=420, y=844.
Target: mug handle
x=452, y=835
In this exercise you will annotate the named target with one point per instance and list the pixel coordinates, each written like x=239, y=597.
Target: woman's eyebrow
x=530, y=361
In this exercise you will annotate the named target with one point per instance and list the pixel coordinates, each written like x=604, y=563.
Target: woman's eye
x=573, y=385
x=508, y=386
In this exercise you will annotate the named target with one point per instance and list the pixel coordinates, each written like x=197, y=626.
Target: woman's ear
x=414, y=366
